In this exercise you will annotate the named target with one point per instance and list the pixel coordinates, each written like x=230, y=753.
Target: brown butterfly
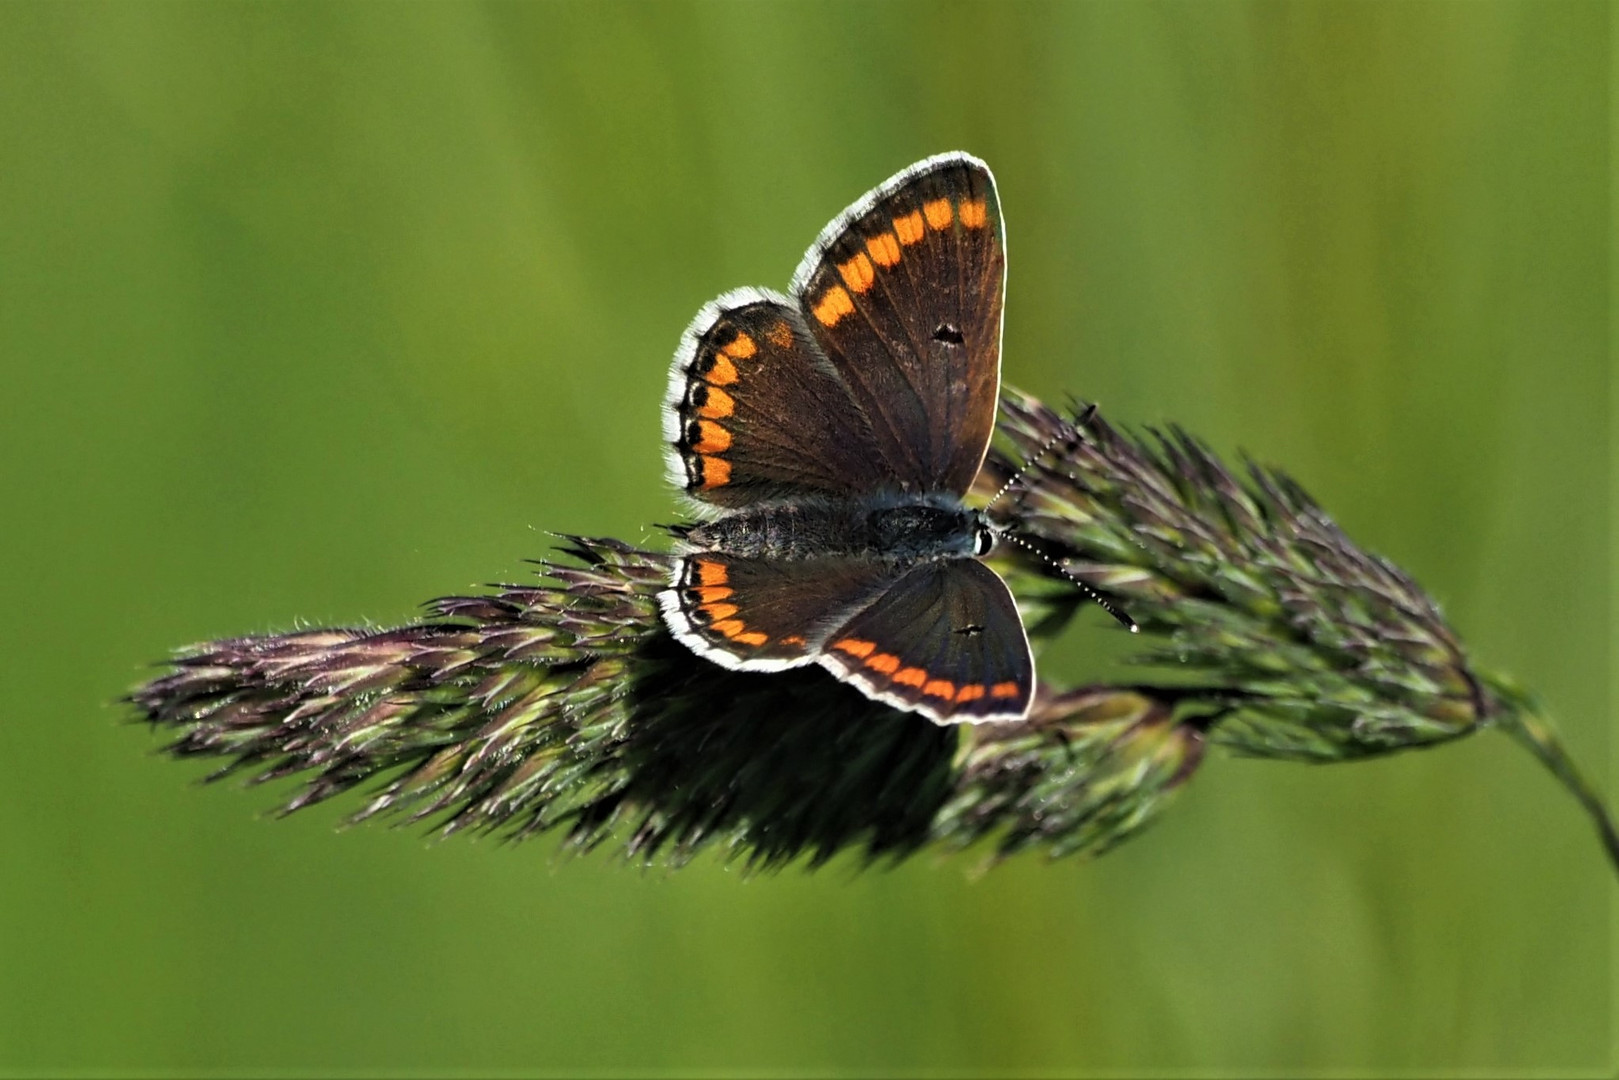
x=831, y=435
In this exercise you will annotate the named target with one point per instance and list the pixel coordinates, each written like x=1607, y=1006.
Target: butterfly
x=829, y=437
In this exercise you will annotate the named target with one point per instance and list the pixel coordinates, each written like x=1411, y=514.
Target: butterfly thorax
x=902, y=529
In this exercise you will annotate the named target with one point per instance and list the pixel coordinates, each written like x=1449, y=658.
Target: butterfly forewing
x=755, y=411
x=945, y=640
x=766, y=614
x=903, y=293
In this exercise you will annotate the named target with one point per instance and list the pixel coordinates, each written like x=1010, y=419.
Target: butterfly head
x=986, y=534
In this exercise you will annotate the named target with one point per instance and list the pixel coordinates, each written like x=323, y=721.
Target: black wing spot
x=948, y=334
x=971, y=630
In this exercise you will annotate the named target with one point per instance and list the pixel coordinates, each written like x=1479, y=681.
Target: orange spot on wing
x=909, y=228
x=714, y=439
x=940, y=688
x=780, y=334
x=710, y=593
x=833, y=306
x=718, y=610
x=729, y=627
x=1003, y=690
x=887, y=663
x=855, y=647
x=857, y=273
x=711, y=573
x=970, y=692
x=740, y=349
x=793, y=640
x=716, y=472
x=752, y=638
x=911, y=676
x=974, y=214
x=938, y=213
x=723, y=372
x=884, y=249
x=717, y=404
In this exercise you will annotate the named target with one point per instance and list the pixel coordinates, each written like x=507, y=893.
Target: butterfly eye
x=983, y=540
x=948, y=334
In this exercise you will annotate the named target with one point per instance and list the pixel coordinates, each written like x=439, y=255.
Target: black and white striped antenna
x=1069, y=438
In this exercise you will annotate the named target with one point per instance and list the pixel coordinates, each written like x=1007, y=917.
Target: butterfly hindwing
x=766, y=614
x=755, y=411
x=944, y=640
x=903, y=293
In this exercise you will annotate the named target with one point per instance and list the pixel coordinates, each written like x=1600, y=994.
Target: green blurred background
x=309, y=313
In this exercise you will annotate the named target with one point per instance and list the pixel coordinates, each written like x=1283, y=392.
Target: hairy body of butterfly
x=902, y=531
x=831, y=435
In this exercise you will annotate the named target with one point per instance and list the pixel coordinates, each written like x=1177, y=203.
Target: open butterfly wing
x=881, y=374
x=903, y=293
x=766, y=614
x=945, y=640
x=756, y=412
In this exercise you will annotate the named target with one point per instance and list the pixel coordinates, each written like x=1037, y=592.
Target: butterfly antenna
x=1100, y=601
x=1069, y=437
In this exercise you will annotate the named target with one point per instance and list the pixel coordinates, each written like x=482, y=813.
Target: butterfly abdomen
x=905, y=531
